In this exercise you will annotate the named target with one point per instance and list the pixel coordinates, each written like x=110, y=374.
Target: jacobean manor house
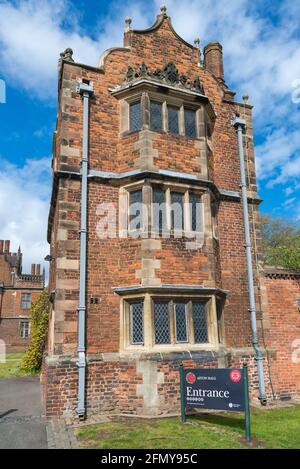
x=154, y=190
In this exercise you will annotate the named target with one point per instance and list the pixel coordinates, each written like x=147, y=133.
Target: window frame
x=149, y=323
x=26, y=301
x=145, y=96
x=22, y=323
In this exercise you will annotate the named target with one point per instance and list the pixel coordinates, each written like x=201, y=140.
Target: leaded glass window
x=196, y=213
x=200, y=324
x=161, y=322
x=173, y=116
x=135, y=116
x=155, y=115
x=181, y=322
x=137, y=323
x=135, y=210
x=190, y=123
x=177, y=211
x=159, y=209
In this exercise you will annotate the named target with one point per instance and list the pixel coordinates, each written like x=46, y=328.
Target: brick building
x=136, y=291
x=17, y=292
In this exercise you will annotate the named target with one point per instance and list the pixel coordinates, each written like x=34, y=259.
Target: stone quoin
x=148, y=266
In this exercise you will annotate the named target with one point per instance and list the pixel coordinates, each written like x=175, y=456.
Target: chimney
x=32, y=269
x=1, y=246
x=213, y=59
x=38, y=269
x=6, y=246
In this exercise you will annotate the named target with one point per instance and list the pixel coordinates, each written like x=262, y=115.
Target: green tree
x=281, y=242
x=32, y=360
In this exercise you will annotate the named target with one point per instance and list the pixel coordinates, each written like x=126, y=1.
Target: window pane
x=173, y=119
x=200, y=325
x=190, y=123
x=177, y=211
x=137, y=323
x=135, y=210
x=25, y=300
x=196, y=212
x=181, y=322
x=155, y=115
x=135, y=116
x=159, y=209
x=24, y=329
x=161, y=323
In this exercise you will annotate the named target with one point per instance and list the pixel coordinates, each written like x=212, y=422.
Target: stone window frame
x=24, y=322
x=149, y=345
x=26, y=302
x=147, y=230
x=145, y=97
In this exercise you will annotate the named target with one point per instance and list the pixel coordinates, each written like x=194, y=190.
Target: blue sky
x=261, y=41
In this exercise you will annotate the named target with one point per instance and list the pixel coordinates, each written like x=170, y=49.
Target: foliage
x=32, y=360
x=281, y=243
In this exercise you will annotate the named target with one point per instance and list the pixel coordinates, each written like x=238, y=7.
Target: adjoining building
x=148, y=265
x=17, y=291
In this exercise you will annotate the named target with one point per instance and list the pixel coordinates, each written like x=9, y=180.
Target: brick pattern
x=121, y=262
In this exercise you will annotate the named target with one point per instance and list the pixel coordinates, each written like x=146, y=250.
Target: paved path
x=21, y=423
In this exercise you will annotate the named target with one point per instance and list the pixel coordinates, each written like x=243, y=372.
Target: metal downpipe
x=86, y=91
x=240, y=124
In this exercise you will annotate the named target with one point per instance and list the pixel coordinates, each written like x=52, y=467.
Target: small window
x=137, y=323
x=190, y=123
x=155, y=116
x=196, y=214
x=24, y=329
x=159, y=209
x=161, y=322
x=135, y=210
x=200, y=324
x=173, y=121
x=176, y=211
x=181, y=322
x=135, y=116
x=25, y=300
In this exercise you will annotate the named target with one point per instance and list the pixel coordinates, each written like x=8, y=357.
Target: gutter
x=85, y=90
x=240, y=125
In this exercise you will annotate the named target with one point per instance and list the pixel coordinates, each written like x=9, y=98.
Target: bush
x=32, y=360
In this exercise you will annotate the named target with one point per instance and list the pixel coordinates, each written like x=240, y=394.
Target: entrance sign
x=219, y=389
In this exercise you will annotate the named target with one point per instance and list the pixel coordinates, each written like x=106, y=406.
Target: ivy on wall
x=32, y=360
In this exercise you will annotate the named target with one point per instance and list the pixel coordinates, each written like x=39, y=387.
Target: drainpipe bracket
x=237, y=121
x=83, y=88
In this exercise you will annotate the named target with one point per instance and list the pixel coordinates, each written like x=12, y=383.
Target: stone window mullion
x=186, y=213
x=181, y=120
x=145, y=109
x=172, y=322
x=148, y=322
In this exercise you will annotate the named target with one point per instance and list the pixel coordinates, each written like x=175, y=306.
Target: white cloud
x=24, y=207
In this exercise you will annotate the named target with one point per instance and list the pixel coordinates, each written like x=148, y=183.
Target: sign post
x=215, y=388
x=247, y=407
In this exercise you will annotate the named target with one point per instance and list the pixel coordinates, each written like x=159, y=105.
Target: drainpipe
x=240, y=125
x=85, y=90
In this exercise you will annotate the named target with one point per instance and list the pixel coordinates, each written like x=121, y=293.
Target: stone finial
x=163, y=10
x=246, y=98
x=67, y=55
x=128, y=22
x=197, y=43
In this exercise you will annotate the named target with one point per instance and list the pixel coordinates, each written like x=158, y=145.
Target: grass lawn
x=276, y=428
x=11, y=366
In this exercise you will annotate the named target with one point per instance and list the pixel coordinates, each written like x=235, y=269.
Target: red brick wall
x=284, y=324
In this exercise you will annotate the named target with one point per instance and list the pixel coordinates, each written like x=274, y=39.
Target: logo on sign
x=190, y=378
x=235, y=376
